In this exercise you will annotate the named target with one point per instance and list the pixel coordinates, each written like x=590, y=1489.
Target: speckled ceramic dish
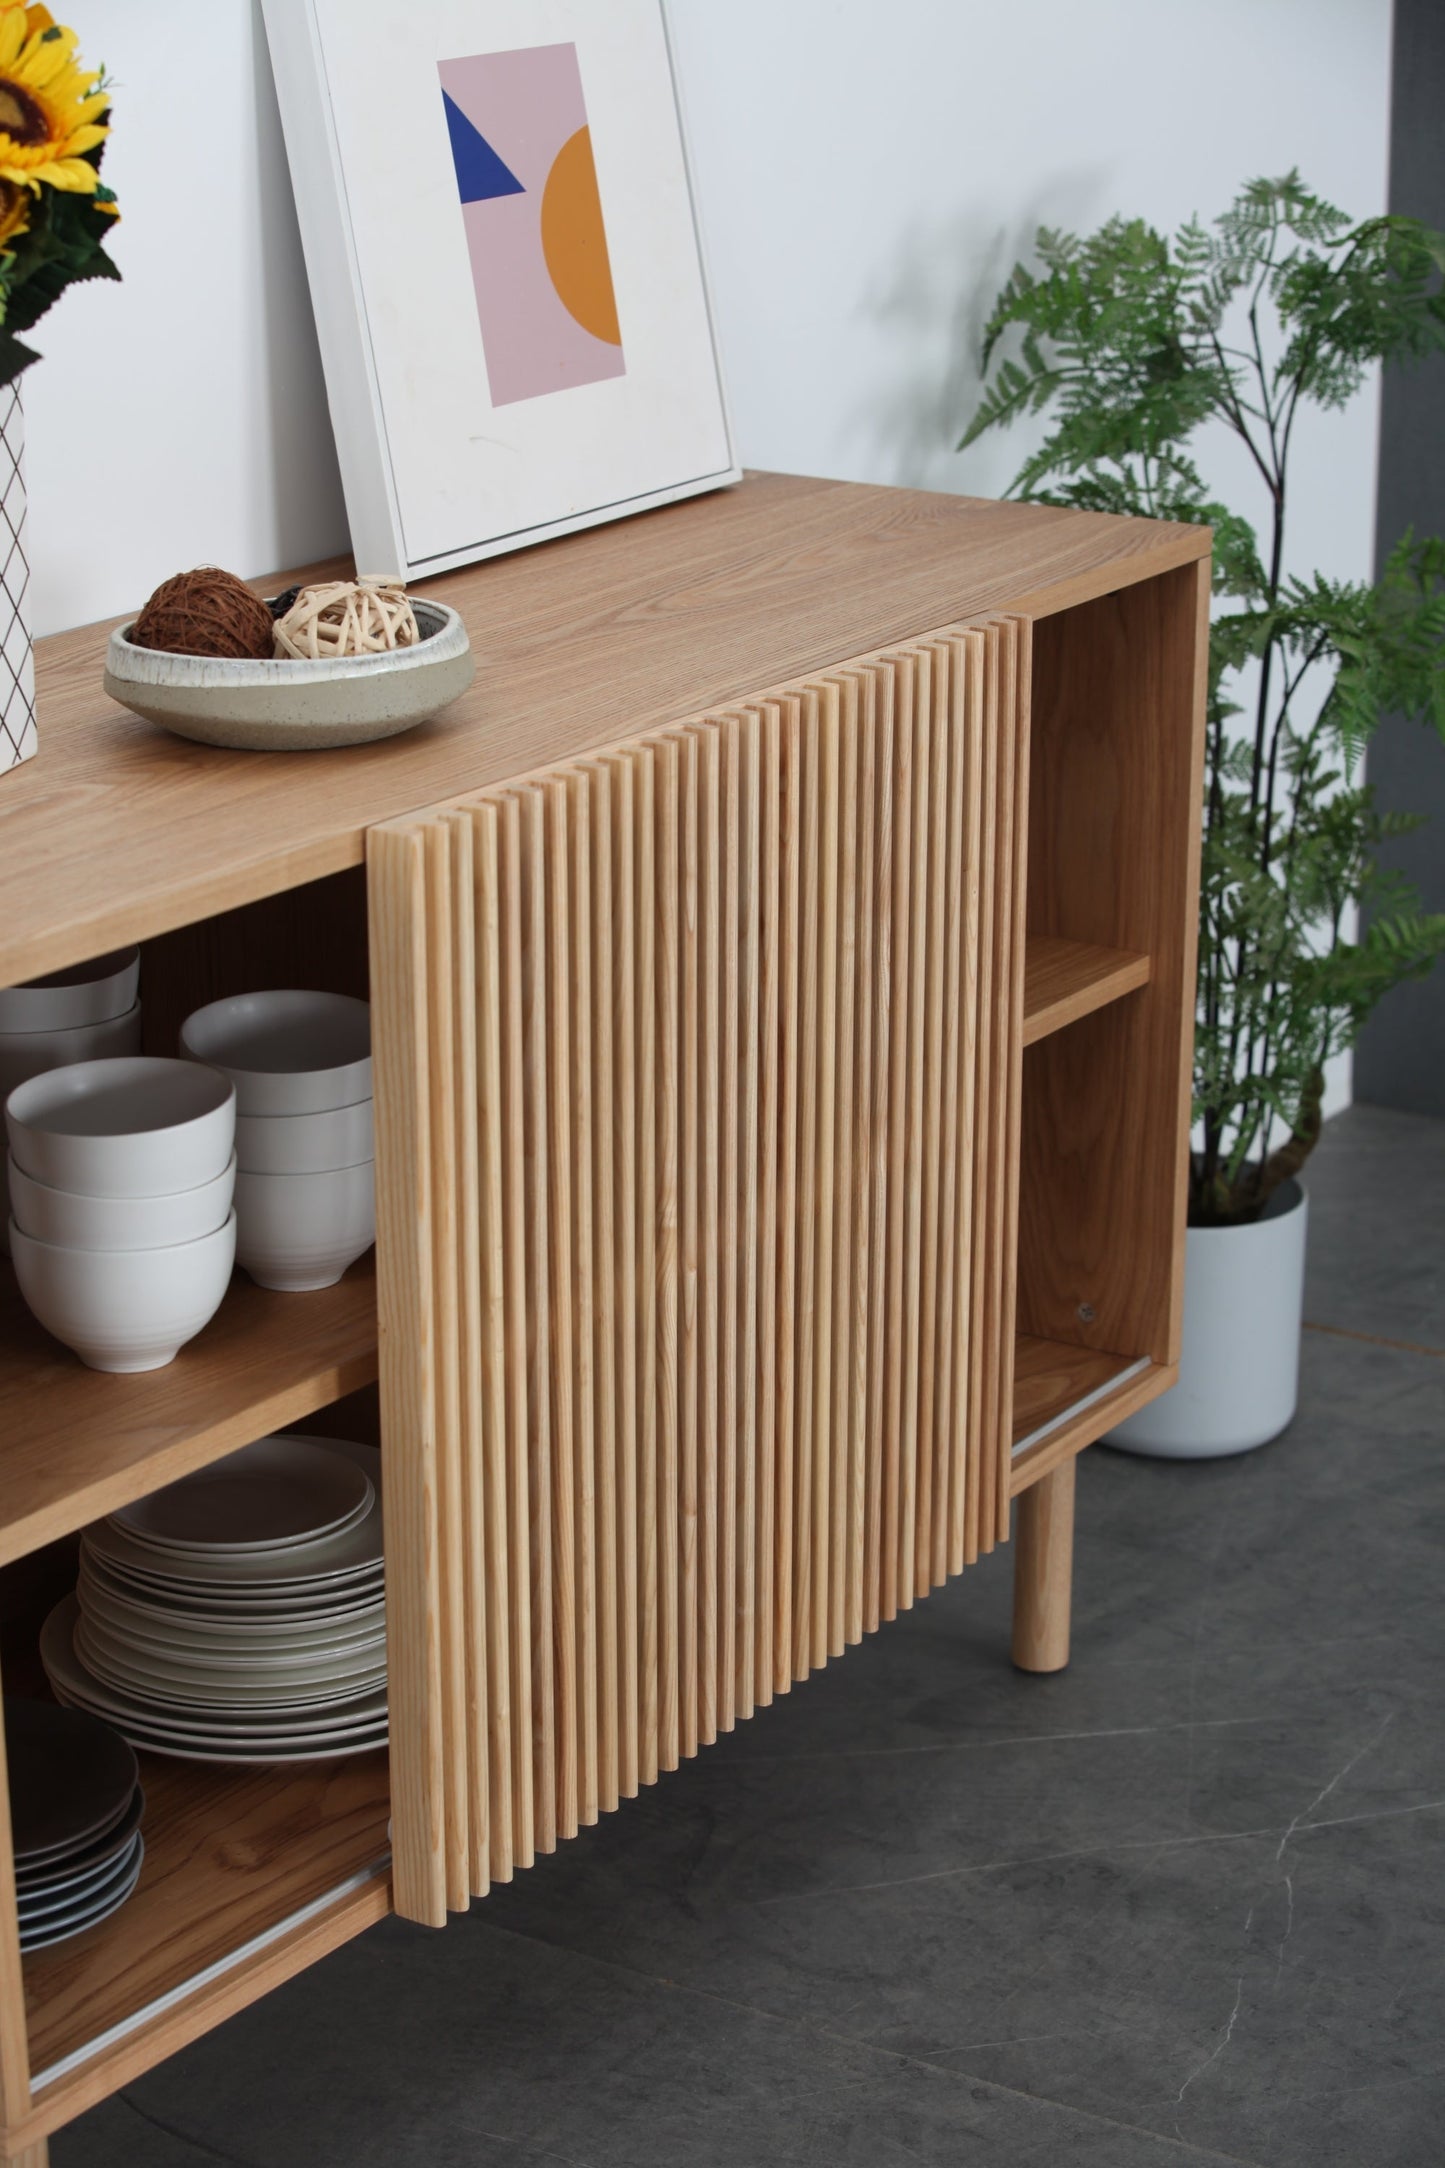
x=295, y=707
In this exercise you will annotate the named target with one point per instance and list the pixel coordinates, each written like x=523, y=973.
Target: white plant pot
x=1239, y=1369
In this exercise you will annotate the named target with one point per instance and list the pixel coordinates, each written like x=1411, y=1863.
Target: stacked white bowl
x=81, y=1014
x=305, y=1190
x=121, y=1228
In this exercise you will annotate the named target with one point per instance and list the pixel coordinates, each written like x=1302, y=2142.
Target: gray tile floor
x=1184, y=1902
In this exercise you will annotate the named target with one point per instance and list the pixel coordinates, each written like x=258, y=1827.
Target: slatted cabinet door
x=697, y=1068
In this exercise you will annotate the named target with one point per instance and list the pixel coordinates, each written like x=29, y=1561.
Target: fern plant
x=1130, y=343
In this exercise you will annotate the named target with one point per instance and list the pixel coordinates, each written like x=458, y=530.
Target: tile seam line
x=1181, y=2146
x=1376, y=1339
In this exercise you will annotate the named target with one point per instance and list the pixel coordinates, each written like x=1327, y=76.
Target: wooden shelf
x=77, y=1443
x=233, y=1856
x=1064, y=980
x=116, y=831
x=1065, y=1397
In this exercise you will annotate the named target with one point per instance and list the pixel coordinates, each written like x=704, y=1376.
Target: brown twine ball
x=205, y=612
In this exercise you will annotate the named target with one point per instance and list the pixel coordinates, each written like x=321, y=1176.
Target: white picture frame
x=530, y=358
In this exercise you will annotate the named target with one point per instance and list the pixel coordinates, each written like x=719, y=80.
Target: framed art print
x=505, y=266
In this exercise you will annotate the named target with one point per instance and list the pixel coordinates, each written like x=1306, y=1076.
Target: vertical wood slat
x=790, y=858
x=721, y=1044
x=493, y=1440
x=769, y=1115
x=14, y=2042
x=474, y=1749
x=578, y=809
x=744, y=1597
x=624, y=1114
x=609, y=1697
x=396, y=905
x=728, y=1237
x=443, y=1176
x=534, y=972
x=880, y=1359
x=689, y=1321
x=668, y=985
x=511, y=1108
x=844, y=1236
x=825, y=1144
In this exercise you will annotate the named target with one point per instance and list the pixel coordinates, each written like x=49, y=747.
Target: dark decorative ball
x=280, y=604
x=205, y=612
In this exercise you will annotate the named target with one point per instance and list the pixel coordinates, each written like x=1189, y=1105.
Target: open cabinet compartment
x=250, y=1873
x=1113, y=838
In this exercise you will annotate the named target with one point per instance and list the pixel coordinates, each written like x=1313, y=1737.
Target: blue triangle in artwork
x=480, y=172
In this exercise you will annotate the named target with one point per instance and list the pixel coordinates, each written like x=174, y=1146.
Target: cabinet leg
x=1044, y=1571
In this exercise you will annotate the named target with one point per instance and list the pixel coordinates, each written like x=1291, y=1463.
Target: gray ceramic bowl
x=295, y=707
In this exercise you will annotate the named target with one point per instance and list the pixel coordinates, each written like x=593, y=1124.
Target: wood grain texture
x=80, y=1443
x=681, y=612
x=770, y=904
x=609, y=1685
x=689, y=1320
x=584, y=1350
x=1064, y=980
x=458, y=1736
x=790, y=861
x=538, y=1312
x=406, y=1314
x=1043, y=1572
x=666, y=1327
x=1074, y=1431
x=1118, y=721
x=510, y=1119
x=491, y=1564
x=729, y=1233
x=14, y=2047
x=230, y=1853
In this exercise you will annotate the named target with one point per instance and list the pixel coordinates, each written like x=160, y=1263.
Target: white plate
x=179, y=1662
x=258, y=1757
x=73, y=1681
x=352, y=1550
x=204, y=1650
x=61, y=1929
x=84, y=1895
x=310, y=1678
x=134, y=1614
x=269, y=1496
x=332, y=1599
x=183, y=1700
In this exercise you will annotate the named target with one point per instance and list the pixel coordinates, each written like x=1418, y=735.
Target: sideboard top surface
x=116, y=830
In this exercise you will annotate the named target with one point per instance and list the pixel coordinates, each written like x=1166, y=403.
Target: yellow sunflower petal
x=75, y=175
x=12, y=35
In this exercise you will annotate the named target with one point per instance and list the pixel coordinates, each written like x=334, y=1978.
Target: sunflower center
x=22, y=117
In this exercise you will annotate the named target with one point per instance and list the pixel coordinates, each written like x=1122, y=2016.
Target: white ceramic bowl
x=90, y=993
x=305, y=1143
x=31, y=1053
x=72, y=1222
x=125, y=1309
x=299, y=1231
x=273, y=706
x=286, y=1052
x=138, y=1127
x=24, y=1054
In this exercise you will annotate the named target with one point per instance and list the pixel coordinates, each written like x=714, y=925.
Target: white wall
x=868, y=171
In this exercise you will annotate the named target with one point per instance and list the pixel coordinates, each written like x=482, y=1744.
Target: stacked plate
x=75, y=1810
x=238, y=1615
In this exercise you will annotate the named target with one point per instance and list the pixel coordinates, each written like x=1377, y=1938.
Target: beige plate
x=295, y=707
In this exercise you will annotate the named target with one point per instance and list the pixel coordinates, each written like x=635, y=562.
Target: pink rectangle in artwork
x=522, y=153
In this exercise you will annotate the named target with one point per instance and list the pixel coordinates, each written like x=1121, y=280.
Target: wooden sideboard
x=782, y=967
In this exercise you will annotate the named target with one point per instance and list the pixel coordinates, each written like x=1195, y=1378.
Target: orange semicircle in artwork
x=574, y=240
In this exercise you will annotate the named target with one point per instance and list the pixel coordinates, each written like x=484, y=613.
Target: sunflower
x=50, y=109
